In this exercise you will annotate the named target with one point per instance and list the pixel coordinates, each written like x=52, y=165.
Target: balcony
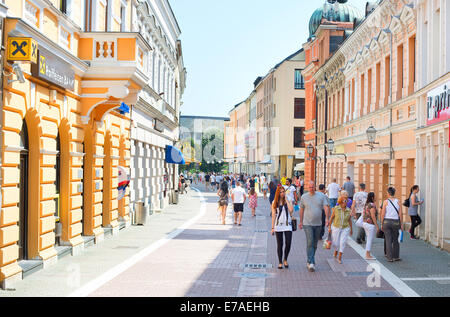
x=115, y=54
x=117, y=70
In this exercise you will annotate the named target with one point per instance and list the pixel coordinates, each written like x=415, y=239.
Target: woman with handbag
x=340, y=226
x=391, y=223
x=413, y=210
x=370, y=223
x=223, y=200
x=282, y=211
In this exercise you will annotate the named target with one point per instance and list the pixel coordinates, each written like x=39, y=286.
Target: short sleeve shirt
x=238, y=193
x=333, y=191
x=313, y=206
x=349, y=187
x=360, y=200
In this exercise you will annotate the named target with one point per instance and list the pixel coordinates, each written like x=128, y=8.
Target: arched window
x=23, y=186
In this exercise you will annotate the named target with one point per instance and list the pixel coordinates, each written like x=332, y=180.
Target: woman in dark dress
x=273, y=190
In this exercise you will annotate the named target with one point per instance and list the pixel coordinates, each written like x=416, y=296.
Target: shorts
x=238, y=207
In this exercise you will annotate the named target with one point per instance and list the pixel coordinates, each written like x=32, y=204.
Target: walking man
x=238, y=197
x=311, y=206
x=357, y=210
x=349, y=187
x=333, y=193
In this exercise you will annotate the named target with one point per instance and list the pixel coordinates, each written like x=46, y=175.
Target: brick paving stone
x=208, y=260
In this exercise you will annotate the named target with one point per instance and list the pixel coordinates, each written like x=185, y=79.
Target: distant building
x=194, y=128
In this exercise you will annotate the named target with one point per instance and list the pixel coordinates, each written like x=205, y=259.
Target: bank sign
x=438, y=104
x=53, y=69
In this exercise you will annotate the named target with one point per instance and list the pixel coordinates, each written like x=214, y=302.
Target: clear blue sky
x=228, y=43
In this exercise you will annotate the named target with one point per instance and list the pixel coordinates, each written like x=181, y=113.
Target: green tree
x=212, y=152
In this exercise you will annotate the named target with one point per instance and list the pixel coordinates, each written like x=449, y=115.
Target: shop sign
x=22, y=49
x=438, y=104
x=53, y=69
x=300, y=155
x=124, y=182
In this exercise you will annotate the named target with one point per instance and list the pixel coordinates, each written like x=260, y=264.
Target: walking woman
x=370, y=223
x=265, y=187
x=223, y=199
x=413, y=210
x=282, y=211
x=391, y=223
x=272, y=189
x=253, y=201
x=340, y=226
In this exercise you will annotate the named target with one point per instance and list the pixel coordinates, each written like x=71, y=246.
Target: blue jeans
x=333, y=202
x=312, y=238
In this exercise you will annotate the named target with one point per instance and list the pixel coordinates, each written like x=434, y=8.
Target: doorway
x=23, y=187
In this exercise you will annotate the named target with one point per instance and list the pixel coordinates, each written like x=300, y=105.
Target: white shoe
x=312, y=268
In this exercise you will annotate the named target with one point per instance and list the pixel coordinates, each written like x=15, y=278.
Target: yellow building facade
x=66, y=127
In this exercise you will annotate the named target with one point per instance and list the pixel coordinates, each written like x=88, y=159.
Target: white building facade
x=155, y=117
x=432, y=133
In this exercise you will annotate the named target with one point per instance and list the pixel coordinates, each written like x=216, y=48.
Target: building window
x=65, y=6
x=411, y=111
x=299, y=108
x=299, y=139
x=123, y=17
x=299, y=81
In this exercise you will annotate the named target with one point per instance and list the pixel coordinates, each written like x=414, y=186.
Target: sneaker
x=307, y=266
x=312, y=268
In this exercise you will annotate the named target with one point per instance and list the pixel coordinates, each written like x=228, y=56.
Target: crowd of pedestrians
x=332, y=211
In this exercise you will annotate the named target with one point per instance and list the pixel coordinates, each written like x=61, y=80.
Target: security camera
x=20, y=78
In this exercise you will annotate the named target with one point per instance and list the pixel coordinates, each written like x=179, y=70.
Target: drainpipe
x=2, y=56
x=315, y=148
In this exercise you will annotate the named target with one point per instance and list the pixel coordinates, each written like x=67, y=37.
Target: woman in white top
x=282, y=210
x=391, y=223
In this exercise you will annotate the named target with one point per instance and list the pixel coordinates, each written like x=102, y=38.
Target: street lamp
x=371, y=137
x=330, y=146
x=371, y=134
x=310, y=149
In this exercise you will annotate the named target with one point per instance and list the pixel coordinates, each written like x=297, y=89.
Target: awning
x=299, y=167
x=174, y=155
x=267, y=160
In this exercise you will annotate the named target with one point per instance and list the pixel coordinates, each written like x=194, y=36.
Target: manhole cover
x=253, y=275
x=378, y=294
x=257, y=265
x=358, y=273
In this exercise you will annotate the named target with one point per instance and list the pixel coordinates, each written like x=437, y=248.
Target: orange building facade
x=66, y=128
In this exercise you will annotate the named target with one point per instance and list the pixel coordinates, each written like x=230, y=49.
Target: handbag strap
x=394, y=208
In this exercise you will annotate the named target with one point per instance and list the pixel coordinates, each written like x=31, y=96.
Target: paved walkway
x=187, y=252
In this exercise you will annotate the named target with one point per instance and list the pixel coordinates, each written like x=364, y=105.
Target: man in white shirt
x=238, y=197
x=333, y=193
x=291, y=192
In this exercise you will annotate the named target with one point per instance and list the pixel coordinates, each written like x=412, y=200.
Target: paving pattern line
x=255, y=286
x=96, y=283
x=426, y=279
x=398, y=284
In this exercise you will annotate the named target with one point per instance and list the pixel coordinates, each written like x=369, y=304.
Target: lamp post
x=326, y=129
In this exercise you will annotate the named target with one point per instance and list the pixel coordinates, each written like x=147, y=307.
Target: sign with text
x=54, y=69
x=22, y=49
x=438, y=104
